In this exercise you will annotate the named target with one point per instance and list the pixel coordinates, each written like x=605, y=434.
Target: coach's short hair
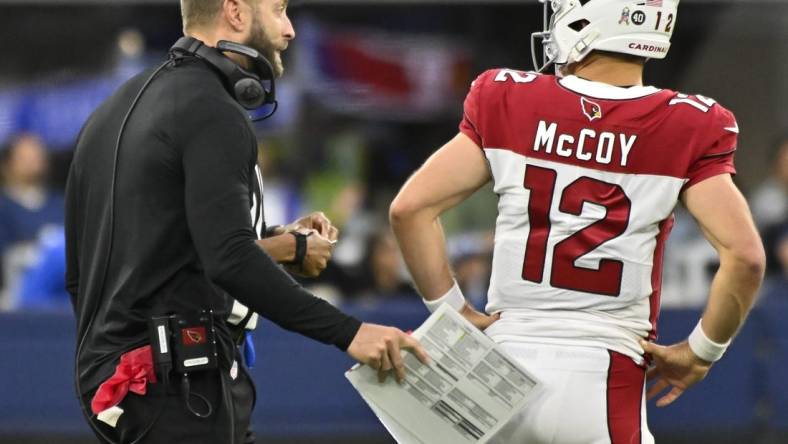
x=198, y=13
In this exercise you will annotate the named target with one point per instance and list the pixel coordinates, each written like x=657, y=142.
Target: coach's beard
x=259, y=41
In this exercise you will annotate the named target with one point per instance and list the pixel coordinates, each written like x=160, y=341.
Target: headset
x=248, y=89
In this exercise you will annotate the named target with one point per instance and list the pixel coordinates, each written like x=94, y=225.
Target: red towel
x=133, y=373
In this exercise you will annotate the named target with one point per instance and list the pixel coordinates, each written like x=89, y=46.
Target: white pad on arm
x=704, y=347
x=453, y=297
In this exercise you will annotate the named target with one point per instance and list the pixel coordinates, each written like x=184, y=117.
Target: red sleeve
x=717, y=149
x=470, y=116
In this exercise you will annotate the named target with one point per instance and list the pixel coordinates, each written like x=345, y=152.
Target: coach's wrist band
x=704, y=347
x=300, y=248
x=453, y=297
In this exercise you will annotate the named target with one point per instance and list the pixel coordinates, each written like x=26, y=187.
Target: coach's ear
x=235, y=14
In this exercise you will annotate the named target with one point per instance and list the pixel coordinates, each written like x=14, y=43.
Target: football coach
x=168, y=257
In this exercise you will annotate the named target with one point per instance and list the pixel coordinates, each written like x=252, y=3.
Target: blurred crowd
x=770, y=208
x=367, y=265
x=690, y=261
x=32, y=251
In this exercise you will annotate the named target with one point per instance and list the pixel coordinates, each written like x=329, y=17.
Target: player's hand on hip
x=379, y=347
x=319, y=222
x=675, y=367
x=479, y=320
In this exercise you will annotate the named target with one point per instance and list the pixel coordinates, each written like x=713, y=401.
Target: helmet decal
x=638, y=17
x=624, y=20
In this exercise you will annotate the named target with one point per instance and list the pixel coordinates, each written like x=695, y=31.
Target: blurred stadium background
x=371, y=89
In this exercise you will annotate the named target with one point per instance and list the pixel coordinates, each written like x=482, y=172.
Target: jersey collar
x=603, y=90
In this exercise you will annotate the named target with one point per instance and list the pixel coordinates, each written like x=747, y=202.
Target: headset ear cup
x=250, y=93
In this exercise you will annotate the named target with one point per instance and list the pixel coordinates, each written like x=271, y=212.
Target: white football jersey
x=587, y=176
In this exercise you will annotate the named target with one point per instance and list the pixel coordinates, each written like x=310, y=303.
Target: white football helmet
x=577, y=27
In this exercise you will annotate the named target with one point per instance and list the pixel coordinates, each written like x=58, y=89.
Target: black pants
x=228, y=423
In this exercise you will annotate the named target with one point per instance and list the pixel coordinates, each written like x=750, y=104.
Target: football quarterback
x=588, y=165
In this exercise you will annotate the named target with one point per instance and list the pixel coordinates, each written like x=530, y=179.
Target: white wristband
x=453, y=297
x=704, y=347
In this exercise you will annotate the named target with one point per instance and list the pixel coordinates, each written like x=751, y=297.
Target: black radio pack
x=185, y=342
x=194, y=342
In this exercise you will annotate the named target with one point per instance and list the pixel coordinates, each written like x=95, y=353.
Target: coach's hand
x=379, y=347
x=675, y=367
x=478, y=319
x=318, y=253
x=316, y=221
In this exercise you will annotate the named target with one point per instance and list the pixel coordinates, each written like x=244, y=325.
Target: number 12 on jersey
x=606, y=280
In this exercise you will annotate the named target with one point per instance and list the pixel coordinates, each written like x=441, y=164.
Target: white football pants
x=587, y=396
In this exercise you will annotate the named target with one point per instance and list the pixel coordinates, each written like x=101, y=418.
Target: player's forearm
x=733, y=292
x=423, y=246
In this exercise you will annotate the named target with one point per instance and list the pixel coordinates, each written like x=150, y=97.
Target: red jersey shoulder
x=709, y=130
x=493, y=84
x=484, y=96
x=496, y=81
x=715, y=126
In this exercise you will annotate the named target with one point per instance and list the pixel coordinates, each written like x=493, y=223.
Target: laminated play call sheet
x=469, y=390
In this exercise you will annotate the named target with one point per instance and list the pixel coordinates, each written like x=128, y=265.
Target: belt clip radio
x=186, y=343
x=194, y=342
